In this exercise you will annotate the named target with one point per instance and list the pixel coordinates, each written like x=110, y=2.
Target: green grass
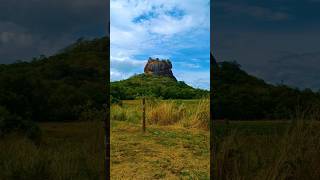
x=66, y=151
x=169, y=151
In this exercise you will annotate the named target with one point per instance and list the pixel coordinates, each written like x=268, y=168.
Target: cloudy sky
x=177, y=29
x=277, y=40
x=29, y=28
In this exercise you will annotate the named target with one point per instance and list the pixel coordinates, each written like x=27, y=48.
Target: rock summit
x=159, y=67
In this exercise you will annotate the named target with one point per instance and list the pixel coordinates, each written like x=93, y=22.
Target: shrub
x=114, y=100
x=14, y=124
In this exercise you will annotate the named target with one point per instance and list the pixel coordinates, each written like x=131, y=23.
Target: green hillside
x=238, y=95
x=155, y=86
x=61, y=87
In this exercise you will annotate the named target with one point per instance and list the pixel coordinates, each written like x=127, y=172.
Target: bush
x=114, y=100
x=92, y=115
x=14, y=124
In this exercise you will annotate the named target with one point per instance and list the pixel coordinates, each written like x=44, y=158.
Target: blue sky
x=276, y=40
x=178, y=30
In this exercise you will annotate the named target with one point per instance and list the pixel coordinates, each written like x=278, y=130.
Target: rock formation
x=159, y=68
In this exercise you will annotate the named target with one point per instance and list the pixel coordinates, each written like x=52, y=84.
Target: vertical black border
x=107, y=107
x=211, y=95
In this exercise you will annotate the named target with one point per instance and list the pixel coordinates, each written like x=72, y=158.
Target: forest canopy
x=57, y=88
x=240, y=96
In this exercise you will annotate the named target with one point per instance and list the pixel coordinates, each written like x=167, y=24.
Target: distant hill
x=238, y=95
x=155, y=86
x=57, y=88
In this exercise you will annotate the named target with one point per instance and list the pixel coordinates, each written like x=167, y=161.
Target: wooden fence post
x=143, y=114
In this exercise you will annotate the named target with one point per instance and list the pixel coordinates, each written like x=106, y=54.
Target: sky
x=29, y=28
x=276, y=40
x=178, y=30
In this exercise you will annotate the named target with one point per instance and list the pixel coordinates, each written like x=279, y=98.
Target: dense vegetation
x=63, y=87
x=155, y=86
x=238, y=95
x=68, y=86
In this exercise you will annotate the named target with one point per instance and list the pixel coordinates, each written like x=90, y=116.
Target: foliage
x=14, y=124
x=57, y=88
x=154, y=86
x=240, y=96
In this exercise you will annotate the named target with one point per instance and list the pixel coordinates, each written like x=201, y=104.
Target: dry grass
x=195, y=115
x=187, y=114
x=161, y=153
x=292, y=154
x=174, y=146
x=166, y=113
x=200, y=118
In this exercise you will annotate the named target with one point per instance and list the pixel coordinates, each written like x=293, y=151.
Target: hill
x=62, y=87
x=238, y=95
x=72, y=84
x=155, y=86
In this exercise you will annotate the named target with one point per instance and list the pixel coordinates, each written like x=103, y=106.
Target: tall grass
x=196, y=115
x=118, y=113
x=58, y=156
x=166, y=113
x=125, y=113
x=292, y=155
x=179, y=113
x=200, y=118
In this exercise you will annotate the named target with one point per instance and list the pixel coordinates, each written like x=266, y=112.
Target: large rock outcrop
x=159, y=68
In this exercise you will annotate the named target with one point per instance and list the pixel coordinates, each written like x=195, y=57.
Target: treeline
x=153, y=86
x=62, y=87
x=239, y=96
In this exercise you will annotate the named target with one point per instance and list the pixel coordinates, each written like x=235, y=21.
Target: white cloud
x=117, y=75
x=189, y=65
x=157, y=33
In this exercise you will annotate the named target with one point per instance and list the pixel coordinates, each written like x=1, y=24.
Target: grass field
x=175, y=145
x=66, y=151
x=267, y=150
x=177, y=148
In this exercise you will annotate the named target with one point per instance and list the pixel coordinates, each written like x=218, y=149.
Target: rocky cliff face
x=159, y=68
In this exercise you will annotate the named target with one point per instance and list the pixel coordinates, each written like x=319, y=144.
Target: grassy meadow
x=71, y=150
x=174, y=146
x=267, y=150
